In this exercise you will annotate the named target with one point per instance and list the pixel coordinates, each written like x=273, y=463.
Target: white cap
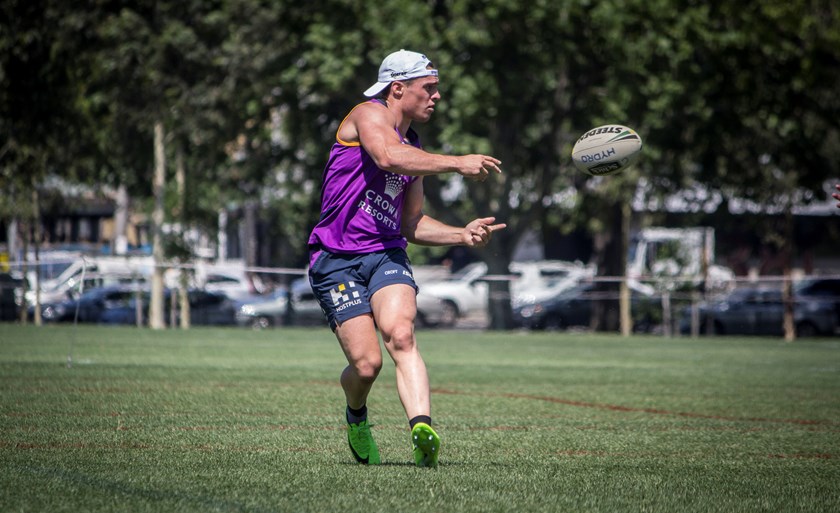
x=402, y=65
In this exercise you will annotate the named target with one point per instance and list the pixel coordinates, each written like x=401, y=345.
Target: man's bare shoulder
x=370, y=110
x=365, y=117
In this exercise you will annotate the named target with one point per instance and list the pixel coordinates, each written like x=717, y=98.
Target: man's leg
x=360, y=344
x=394, y=308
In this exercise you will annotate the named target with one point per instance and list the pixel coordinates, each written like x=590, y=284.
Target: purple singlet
x=361, y=205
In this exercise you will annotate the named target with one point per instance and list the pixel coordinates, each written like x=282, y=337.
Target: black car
x=10, y=288
x=120, y=304
x=90, y=306
x=822, y=289
x=209, y=308
x=573, y=307
x=760, y=311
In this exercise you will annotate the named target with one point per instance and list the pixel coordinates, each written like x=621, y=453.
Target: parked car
x=760, y=311
x=10, y=290
x=262, y=312
x=209, y=308
x=543, y=280
x=573, y=307
x=91, y=305
x=465, y=292
x=119, y=305
x=460, y=294
x=70, y=288
x=824, y=290
x=435, y=312
x=236, y=285
x=96, y=271
x=297, y=306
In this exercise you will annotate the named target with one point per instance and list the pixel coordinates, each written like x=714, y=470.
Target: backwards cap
x=402, y=65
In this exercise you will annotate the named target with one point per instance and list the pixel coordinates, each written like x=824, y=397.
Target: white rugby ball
x=606, y=150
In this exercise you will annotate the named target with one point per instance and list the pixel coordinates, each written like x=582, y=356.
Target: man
x=371, y=206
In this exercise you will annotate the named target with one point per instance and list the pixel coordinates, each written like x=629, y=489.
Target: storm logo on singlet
x=381, y=206
x=393, y=185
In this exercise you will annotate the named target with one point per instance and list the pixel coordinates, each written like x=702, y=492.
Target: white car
x=443, y=302
x=432, y=311
x=282, y=308
x=235, y=285
x=544, y=279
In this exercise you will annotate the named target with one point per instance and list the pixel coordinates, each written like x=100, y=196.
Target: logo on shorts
x=344, y=296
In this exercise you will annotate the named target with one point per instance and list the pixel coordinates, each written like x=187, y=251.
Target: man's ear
x=397, y=89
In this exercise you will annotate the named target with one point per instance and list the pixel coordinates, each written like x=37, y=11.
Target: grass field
x=235, y=420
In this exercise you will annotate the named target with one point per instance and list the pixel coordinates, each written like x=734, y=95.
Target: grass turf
x=235, y=420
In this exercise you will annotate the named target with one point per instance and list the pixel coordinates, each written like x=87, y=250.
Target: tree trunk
x=24, y=270
x=611, y=263
x=787, y=285
x=250, y=233
x=498, y=304
x=708, y=252
x=156, y=306
x=12, y=239
x=120, y=242
x=221, y=252
x=499, y=310
x=138, y=306
x=183, y=281
x=36, y=241
x=625, y=314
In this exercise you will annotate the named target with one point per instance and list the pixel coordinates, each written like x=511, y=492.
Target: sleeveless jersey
x=361, y=204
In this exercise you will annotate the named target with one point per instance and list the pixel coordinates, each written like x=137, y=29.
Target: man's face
x=420, y=97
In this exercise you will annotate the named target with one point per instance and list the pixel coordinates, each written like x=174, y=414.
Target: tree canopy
x=740, y=97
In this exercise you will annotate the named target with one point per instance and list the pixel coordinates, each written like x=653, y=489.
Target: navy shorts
x=344, y=284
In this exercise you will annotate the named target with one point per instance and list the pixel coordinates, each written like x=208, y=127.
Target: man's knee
x=401, y=337
x=368, y=369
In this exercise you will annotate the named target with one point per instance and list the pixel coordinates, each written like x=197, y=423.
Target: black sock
x=420, y=418
x=355, y=416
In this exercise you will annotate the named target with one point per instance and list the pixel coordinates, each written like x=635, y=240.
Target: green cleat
x=361, y=443
x=426, y=445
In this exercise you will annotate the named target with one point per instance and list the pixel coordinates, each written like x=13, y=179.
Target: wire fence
x=671, y=305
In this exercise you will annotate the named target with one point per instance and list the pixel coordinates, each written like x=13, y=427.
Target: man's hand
x=478, y=233
x=478, y=167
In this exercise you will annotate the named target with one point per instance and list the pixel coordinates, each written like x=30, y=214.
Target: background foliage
x=738, y=97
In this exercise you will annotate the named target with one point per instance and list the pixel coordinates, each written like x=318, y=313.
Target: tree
x=750, y=103
x=43, y=122
x=175, y=66
x=250, y=93
x=522, y=81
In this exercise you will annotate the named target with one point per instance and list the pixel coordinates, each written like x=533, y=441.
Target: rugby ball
x=606, y=150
